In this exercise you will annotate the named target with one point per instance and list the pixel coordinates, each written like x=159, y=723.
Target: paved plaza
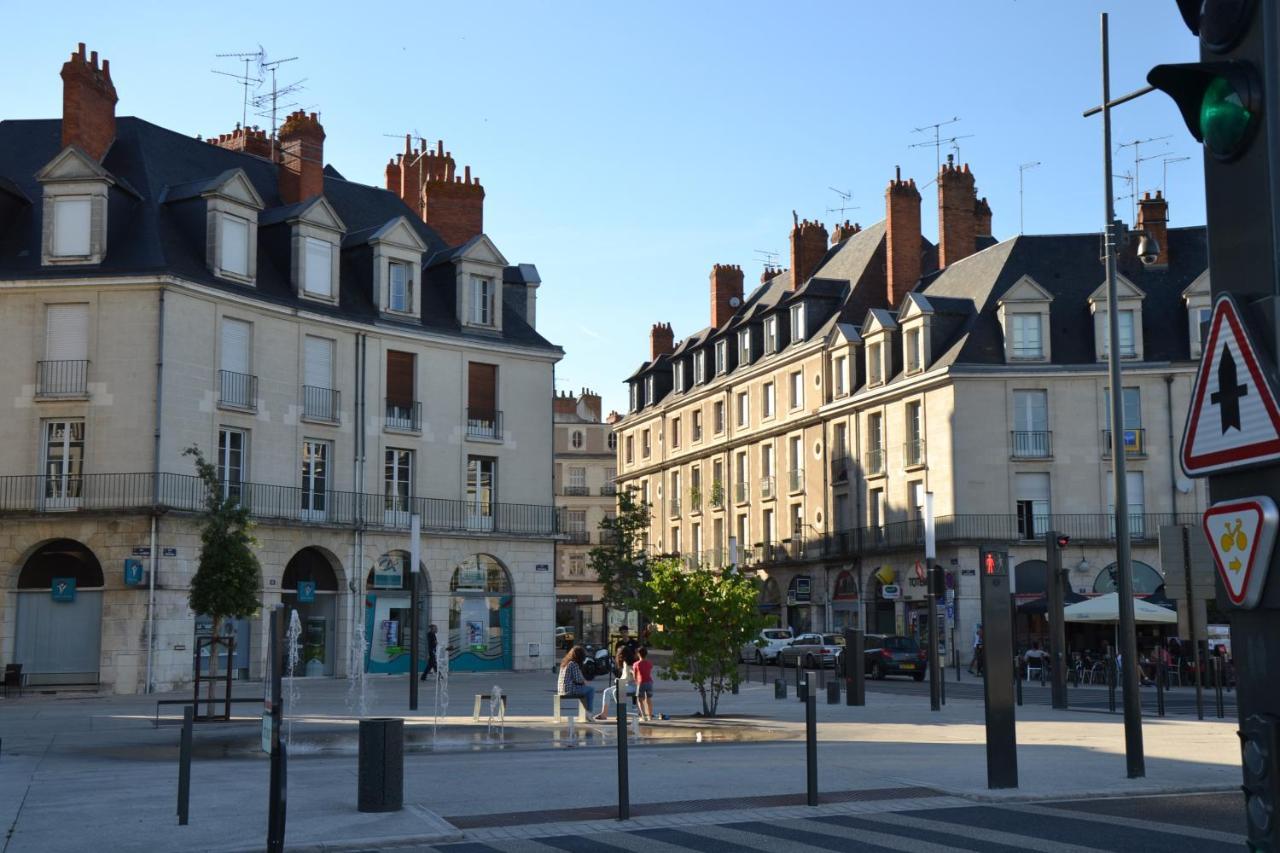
x=84, y=768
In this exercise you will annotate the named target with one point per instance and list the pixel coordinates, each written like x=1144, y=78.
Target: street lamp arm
x=1123, y=99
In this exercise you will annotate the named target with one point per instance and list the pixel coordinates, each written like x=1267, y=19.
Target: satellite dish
x=1185, y=486
x=734, y=302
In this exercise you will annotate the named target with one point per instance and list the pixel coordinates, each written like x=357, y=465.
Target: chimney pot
x=902, y=239
x=957, y=203
x=808, y=246
x=88, y=105
x=301, y=158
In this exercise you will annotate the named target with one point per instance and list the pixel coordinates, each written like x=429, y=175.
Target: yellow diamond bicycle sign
x=1241, y=534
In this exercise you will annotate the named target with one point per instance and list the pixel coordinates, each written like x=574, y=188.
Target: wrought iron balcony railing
x=237, y=390
x=484, y=423
x=403, y=415
x=1032, y=444
x=62, y=379
x=320, y=404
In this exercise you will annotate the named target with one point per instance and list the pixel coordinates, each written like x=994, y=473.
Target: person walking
x=571, y=681
x=624, y=685
x=433, y=643
x=643, y=670
x=975, y=663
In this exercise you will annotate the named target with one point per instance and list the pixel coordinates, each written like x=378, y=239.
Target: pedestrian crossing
x=938, y=825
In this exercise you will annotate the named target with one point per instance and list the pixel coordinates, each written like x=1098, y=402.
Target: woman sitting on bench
x=571, y=681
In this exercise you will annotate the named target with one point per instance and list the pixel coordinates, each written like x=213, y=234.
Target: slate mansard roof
x=849, y=285
x=151, y=232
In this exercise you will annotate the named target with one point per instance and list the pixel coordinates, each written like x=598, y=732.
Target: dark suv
x=894, y=655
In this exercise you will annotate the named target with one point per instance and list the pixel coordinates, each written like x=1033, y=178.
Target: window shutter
x=482, y=388
x=71, y=226
x=318, y=269
x=400, y=378
x=235, y=245
x=67, y=333
x=318, y=367
x=235, y=345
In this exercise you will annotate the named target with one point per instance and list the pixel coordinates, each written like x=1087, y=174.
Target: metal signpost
x=1230, y=101
x=932, y=574
x=997, y=628
x=415, y=535
x=1055, y=543
x=279, y=760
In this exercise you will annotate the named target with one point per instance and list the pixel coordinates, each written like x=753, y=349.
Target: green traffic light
x=1224, y=119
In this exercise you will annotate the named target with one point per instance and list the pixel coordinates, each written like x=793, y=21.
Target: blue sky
x=625, y=148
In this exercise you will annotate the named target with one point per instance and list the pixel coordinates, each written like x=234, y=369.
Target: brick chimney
x=902, y=238
x=769, y=274
x=957, y=209
x=301, y=157
x=88, y=104
x=662, y=341
x=1153, y=217
x=982, y=218
x=844, y=231
x=249, y=140
x=808, y=247
x=726, y=292
x=426, y=181
x=564, y=404
x=589, y=405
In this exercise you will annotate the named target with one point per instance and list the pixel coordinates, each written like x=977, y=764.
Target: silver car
x=765, y=648
x=812, y=650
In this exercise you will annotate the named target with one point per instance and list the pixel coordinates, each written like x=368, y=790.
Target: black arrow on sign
x=1227, y=397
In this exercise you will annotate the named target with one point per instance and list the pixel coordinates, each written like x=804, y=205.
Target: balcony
x=577, y=537
x=675, y=508
x=320, y=404
x=695, y=500
x=62, y=380
x=147, y=492
x=608, y=491
x=741, y=491
x=403, y=416
x=576, y=491
x=841, y=468
x=484, y=424
x=1135, y=442
x=795, y=481
x=768, y=489
x=874, y=463
x=913, y=453
x=717, y=495
x=237, y=391
x=1032, y=444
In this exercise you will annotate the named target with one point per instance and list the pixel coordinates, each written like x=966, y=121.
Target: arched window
x=1030, y=577
x=613, y=441
x=61, y=558
x=1146, y=580
x=480, y=573
x=846, y=587
x=576, y=439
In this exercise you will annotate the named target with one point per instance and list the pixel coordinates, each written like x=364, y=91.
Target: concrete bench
x=555, y=707
x=486, y=697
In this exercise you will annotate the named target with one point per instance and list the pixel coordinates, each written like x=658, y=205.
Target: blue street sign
x=64, y=589
x=132, y=572
x=306, y=592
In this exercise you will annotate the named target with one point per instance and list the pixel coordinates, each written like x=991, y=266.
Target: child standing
x=644, y=683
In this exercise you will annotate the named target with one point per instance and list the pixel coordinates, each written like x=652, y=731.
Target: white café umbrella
x=1105, y=609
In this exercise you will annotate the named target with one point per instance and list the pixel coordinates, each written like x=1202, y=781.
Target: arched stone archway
x=387, y=596
x=1146, y=579
x=480, y=615
x=771, y=602
x=59, y=614
x=311, y=586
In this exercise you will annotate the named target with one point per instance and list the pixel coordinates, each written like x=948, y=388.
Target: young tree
x=228, y=576
x=619, y=561
x=706, y=617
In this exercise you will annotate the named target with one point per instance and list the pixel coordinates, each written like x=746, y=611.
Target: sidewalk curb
x=1016, y=796
x=444, y=833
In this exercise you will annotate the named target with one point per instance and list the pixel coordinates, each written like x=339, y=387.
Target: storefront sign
x=891, y=591
x=388, y=572
x=132, y=572
x=142, y=552
x=306, y=592
x=64, y=589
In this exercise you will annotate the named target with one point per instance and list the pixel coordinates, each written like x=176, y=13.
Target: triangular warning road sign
x=1234, y=421
x=1241, y=534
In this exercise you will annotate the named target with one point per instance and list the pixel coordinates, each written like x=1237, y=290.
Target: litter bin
x=381, y=775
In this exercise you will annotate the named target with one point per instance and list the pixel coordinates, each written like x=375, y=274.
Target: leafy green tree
x=620, y=561
x=705, y=617
x=228, y=577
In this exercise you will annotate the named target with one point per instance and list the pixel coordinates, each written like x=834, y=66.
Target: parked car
x=765, y=647
x=812, y=650
x=564, y=637
x=894, y=655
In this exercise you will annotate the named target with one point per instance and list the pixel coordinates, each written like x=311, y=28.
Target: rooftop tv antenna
x=1022, y=170
x=1132, y=195
x=845, y=197
x=268, y=104
x=246, y=79
x=1164, y=172
x=938, y=141
x=768, y=259
x=1138, y=159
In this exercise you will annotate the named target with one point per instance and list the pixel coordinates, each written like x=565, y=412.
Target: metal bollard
x=1159, y=688
x=811, y=741
x=1217, y=685
x=833, y=691
x=798, y=678
x=1017, y=686
x=802, y=685
x=1111, y=684
x=381, y=765
x=184, y=766
x=779, y=689
x=624, y=782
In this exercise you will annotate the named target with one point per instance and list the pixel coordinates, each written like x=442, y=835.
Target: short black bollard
x=833, y=691
x=811, y=740
x=798, y=678
x=1111, y=684
x=381, y=765
x=184, y=765
x=624, y=778
x=1017, y=686
x=779, y=689
x=1217, y=685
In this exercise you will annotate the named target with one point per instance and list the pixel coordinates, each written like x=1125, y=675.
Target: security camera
x=1148, y=249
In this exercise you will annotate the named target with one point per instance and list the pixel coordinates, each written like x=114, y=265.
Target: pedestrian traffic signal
x=1260, y=754
x=1220, y=101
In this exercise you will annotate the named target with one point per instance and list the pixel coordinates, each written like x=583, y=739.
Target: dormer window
x=839, y=374
x=700, y=367
x=797, y=323
x=1028, y=340
x=744, y=346
x=648, y=390
x=722, y=357
x=1199, y=302
x=911, y=345
x=679, y=371
x=1129, y=319
x=318, y=266
x=71, y=227
x=771, y=335
x=75, y=209
x=401, y=296
x=233, y=248
x=481, y=300
x=875, y=364
x=1024, y=319
x=1126, y=339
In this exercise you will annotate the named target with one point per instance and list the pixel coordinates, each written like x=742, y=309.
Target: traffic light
x=938, y=581
x=1063, y=541
x=994, y=562
x=1260, y=754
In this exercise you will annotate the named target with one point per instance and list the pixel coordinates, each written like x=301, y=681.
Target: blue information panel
x=132, y=572
x=64, y=589
x=306, y=592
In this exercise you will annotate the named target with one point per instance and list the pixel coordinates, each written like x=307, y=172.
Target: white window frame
x=911, y=350
x=797, y=323
x=722, y=357
x=232, y=487
x=482, y=301
x=406, y=287
x=64, y=209
x=228, y=262
x=64, y=477
x=771, y=334
x=744, y=347
x=317, y=271
x=839, y=375
x=744, y=409
x=1022, y=346
x=397, y=485
x=875, y=363
x=315, y=478
x=700, y=367
x=768, y=403
x=795, y=384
